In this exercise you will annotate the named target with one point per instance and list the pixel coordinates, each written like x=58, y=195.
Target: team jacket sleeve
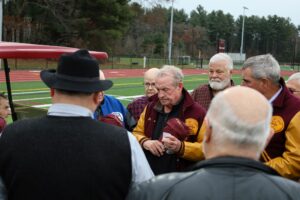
x=138, y=131
x=288, y=165
x=193, y=150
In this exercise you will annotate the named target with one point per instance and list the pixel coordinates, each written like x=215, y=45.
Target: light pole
x=243, y=27
x=170, y=36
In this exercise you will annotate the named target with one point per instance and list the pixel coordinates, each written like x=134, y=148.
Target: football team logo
x=277, y=124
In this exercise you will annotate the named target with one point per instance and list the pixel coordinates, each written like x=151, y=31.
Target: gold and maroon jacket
x=283, y=151
x=191, y=113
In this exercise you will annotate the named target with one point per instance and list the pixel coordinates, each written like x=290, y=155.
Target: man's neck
x=73, y=101
x=232, y=152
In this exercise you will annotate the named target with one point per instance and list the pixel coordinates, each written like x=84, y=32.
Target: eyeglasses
x=147, y=84
x=293, y=91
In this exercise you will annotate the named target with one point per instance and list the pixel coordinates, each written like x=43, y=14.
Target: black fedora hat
x=78, y=72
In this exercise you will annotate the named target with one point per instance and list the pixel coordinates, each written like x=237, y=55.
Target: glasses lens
x=149, y=84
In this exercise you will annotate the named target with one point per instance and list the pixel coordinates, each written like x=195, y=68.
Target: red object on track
x=23, y=51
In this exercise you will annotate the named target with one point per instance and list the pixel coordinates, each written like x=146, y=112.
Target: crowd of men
x=220, y=142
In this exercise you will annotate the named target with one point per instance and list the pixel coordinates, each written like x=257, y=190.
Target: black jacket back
x=65, y=158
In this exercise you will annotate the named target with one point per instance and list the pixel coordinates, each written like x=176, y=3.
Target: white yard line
x=31, y=99
x=125, y=98
x=42, y=106
x=37, y=92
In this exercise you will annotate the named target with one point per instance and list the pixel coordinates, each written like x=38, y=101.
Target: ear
x=98, y=97
x=180, y=85
x=52, y=92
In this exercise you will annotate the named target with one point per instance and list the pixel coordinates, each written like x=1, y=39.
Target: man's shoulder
x=51, y=125
x=55, y=121
x=293, y=103
x=111, y=98
x=17, y=128
x=196, y=109
x=157, y=187
x=198, y=183
x=286, y=105
x=113, y=105
x=287, y=100
x=27, y=122
x=139, y=102
x=285, y=186
x=140, y=99
x=201, y=88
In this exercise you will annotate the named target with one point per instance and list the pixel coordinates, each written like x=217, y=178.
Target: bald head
x=293, y=83
x=151, y=73
x=240, y=118
x=246, y=104
x=149, y=81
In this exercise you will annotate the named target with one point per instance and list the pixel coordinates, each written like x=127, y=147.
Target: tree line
x=121, y=27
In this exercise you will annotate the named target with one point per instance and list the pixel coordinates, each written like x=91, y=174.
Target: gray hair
x=220, y=57
x=236, y=127
x=295, y=76
x=170, y=70
x=263, y=66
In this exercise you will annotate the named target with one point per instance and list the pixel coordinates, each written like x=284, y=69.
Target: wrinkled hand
x=172, y=143
x=155, y=147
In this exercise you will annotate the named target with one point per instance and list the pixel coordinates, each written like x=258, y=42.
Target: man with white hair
x=293, y=83
x=232, y=146
x=219, y=74
x=282, y=153
x=172, y=100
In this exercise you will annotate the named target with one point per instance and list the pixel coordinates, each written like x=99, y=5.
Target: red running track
x=34, y=75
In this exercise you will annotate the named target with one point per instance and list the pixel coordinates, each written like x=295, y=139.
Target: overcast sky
x=281, y=8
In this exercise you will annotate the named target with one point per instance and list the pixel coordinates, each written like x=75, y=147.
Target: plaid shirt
x=136, y=107
x=203, y=95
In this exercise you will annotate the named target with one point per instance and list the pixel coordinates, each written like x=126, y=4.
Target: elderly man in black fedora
x=67, y=154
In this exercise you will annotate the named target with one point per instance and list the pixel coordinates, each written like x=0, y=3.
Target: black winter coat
x=226, y=178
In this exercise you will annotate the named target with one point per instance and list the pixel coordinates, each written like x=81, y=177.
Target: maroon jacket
x=191, y=113
x=283, y=151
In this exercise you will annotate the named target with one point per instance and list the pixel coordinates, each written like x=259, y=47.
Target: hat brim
x=50, y=78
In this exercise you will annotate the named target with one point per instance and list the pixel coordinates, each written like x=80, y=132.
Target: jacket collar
x=279, y=101
x=231, y=161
